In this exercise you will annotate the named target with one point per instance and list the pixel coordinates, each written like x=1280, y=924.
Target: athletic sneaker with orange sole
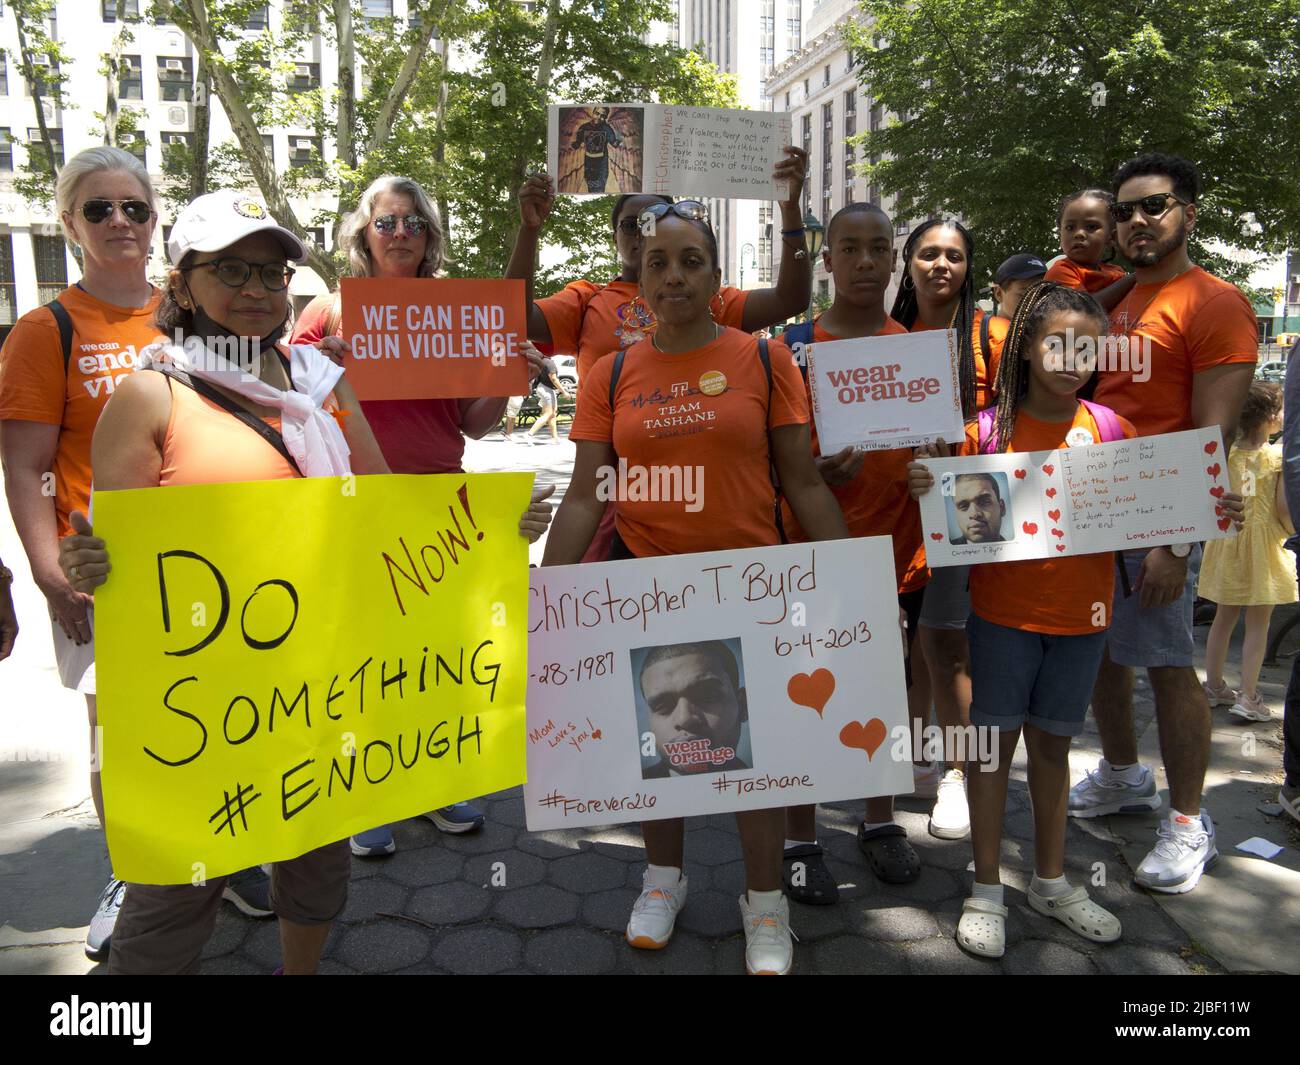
x=654, y=913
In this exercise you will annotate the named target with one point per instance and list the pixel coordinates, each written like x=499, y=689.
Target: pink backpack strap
x=988, y=434
x=1107, y=421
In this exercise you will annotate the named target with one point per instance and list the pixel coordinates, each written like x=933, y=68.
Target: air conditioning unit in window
x=303, y=145
x=304, y=70
x=48, y=108
x=174, y=64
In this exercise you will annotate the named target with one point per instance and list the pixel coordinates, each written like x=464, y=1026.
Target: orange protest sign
x=434, y=338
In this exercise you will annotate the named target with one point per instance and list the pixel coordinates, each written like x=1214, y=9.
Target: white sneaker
x=1251, y=709
x=1178, y=859
x=769, y=947
x=950, y=818
x=1097, y=795
x=925, y=782
x=654, y=913
x=1220, y=696
x=101, y=925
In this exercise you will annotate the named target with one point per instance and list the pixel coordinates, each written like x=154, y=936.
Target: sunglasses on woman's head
x=1152, y=206
x=234, y=273
x=691, y=210
x=96, y=211
x=413, y=223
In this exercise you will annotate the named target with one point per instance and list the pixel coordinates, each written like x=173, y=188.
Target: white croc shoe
x=982, y=929
x=1078, y=913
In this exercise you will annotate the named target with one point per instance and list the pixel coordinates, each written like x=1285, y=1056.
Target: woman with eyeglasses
x=395, y=232
x=742, y=416
x=588, y=320
x=58, y=368
x=225, y=405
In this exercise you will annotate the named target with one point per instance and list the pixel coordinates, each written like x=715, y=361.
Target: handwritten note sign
x=884, y=392
x=596, y=149
x=430, y=338
x=1119, y=496
x=707, y=683
x=283, y=664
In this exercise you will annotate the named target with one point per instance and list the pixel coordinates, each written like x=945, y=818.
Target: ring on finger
x=73, y=572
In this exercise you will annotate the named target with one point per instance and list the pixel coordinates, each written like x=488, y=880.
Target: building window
x=306, y=76
x=40, y=62
x=130, y=78
x=268, y=146
x=824, y=290
x=766, y=55
x=6, y=151
x=850, y=129
x=175, y=77
x=765, y=243
x=787, y=99
x=877, y=117
x=135, y=144
x=132, y=9
x=36, y=150
x=8, y=293
x=372, y=9
x=807, y=147
x=305, y=154
x=317, y=236
x=259, y=18
x=4, y=76
x=826, y=75
x=51, y=267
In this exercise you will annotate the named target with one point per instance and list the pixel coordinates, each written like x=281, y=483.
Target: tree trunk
x=112, y=74
x=202, y=124
x=38, y=97
x=383, y=127
x=347, y=124
x=544, y=63
x=440, y=138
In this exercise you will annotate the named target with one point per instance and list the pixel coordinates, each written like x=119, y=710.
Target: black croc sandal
x=806, y=878
x=889, y=854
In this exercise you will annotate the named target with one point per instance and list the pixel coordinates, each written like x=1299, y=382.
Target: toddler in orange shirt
x=1087, y=232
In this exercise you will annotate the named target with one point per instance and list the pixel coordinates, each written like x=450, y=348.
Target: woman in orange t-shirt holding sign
x=755, y=425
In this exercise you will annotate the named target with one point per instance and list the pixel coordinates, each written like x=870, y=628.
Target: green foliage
x=1005, y=114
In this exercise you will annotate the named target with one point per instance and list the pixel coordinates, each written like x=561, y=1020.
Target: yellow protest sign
x=283, y=664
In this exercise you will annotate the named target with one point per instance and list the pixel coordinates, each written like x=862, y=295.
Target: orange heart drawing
x=1055, y=515
x=1223, y=523
x=1029, y=527
x=1051, y=493
x=1213, y=471
x=936, y=536
x=1048, y=470
x=1021, y=474
x=1211, y=447
x=867, y=737
x=812, y=691
x=1060, y=547
x=1216, y=492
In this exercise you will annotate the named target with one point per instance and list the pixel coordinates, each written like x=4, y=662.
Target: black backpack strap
x=766, y=357
x=64, y=321
x=985, y=350
x=614, y=375
x=268, y=433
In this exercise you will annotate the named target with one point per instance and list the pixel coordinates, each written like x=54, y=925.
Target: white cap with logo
x=219, y=219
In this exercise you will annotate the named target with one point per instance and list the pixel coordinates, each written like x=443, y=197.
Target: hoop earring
x=908, y=284
x=712, y=314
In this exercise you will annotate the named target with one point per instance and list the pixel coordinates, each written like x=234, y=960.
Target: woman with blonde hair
x=395, y=232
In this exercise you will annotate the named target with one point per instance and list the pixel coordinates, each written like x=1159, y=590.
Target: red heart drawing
x=1029, y=527
x=812, y=691
x=1051, y=493
x=1055, y=515
x=1213, y=471
x=1020, y=474
x=1057, y=532
x=1223, y=523
x=1211, y=447
x=1216, y=492
x=936, y=536
x=595, y=734
x=1048, y=470
x=867, y=737
x=1060, y=547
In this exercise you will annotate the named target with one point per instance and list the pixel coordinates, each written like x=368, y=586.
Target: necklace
x=654, y=339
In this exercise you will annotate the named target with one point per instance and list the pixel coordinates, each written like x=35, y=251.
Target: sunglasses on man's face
x=412, y=223
x=1152, y=206
x=234, y=273
x=691, y=210
x=96, y=211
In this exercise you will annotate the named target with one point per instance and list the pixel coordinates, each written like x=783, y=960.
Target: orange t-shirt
x=1052, y=595
x=986, y=363
x=1088, y=278
x=876, y=502
x=704, y=412
x=1190, y=323
x=35, y=388
x=592, y=320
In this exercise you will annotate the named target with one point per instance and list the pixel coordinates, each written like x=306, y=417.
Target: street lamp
x=742, y=260
x=813, y=234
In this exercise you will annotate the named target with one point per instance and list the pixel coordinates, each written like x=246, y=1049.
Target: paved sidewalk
x=439, y=904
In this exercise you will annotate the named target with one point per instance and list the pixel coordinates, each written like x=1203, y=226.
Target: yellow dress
x=1252, y=568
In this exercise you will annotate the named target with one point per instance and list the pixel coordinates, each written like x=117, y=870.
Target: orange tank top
x=207, y=445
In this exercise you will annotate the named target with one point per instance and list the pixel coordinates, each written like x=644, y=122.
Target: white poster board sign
x=883, y=392
x=604, y=149
x=1119, y=496
x=714, y=682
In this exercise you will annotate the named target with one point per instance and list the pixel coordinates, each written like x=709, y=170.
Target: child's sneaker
x=950, y=818
x=1251, y=707
x=654, y=913
x=1220, y=696
x=769, y=950
x=925, y=781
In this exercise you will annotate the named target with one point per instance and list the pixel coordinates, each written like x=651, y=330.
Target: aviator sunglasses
x=691, y=210
x=96, y=211
x=413, y=223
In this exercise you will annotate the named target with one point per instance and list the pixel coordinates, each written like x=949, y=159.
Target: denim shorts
x=1157, y=636
x=1020, y=677
x=947, y=598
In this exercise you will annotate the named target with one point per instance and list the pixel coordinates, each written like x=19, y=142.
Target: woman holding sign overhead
x=756, y=416
x=395, y=232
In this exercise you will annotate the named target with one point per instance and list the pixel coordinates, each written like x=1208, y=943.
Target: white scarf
x=311, y=434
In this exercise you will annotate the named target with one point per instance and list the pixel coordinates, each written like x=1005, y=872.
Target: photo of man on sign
x=977, y=507
x=691, y=704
